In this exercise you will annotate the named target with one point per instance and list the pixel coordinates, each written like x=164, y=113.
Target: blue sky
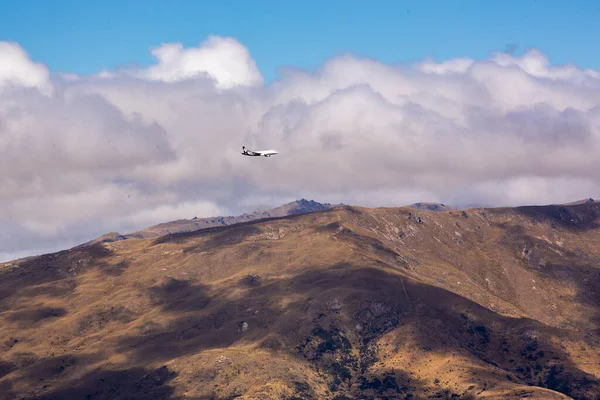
x=87, y=36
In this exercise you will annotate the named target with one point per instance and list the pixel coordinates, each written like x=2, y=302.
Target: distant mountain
x=107, y=238
x=301, y=206
x=431, y=206
x=583, y=201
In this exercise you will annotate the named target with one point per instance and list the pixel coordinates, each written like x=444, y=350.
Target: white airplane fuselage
x=258, y=153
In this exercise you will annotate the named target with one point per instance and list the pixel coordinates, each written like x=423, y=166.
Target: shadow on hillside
x=114, y=270
x=587, y=280
x=51, y=275
x=320, y=327
x=48, y=275
x=6, y=368
x=552, y=261
x=31, y=318
x=99, y=384
x=179, y=295
x=576, y=218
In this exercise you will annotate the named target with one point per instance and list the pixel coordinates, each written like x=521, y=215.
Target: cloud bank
x=121, y=150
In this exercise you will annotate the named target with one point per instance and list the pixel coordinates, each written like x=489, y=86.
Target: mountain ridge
x=187, y=225
x=296, y=207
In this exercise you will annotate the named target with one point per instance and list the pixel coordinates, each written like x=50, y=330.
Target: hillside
x=343, y=303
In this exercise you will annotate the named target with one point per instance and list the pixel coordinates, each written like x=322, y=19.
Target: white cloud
x=455, y=66
x=121, y=150
x=223, y=59
x=18, y=70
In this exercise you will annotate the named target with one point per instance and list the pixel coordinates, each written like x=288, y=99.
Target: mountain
x=582, y=201
x=342, y=303
x=431, y=206
x=188, y=225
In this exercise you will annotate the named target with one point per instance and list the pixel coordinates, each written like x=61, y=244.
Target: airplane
x=265, y=153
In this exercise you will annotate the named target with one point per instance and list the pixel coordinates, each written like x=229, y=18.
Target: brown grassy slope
x=346, y=303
